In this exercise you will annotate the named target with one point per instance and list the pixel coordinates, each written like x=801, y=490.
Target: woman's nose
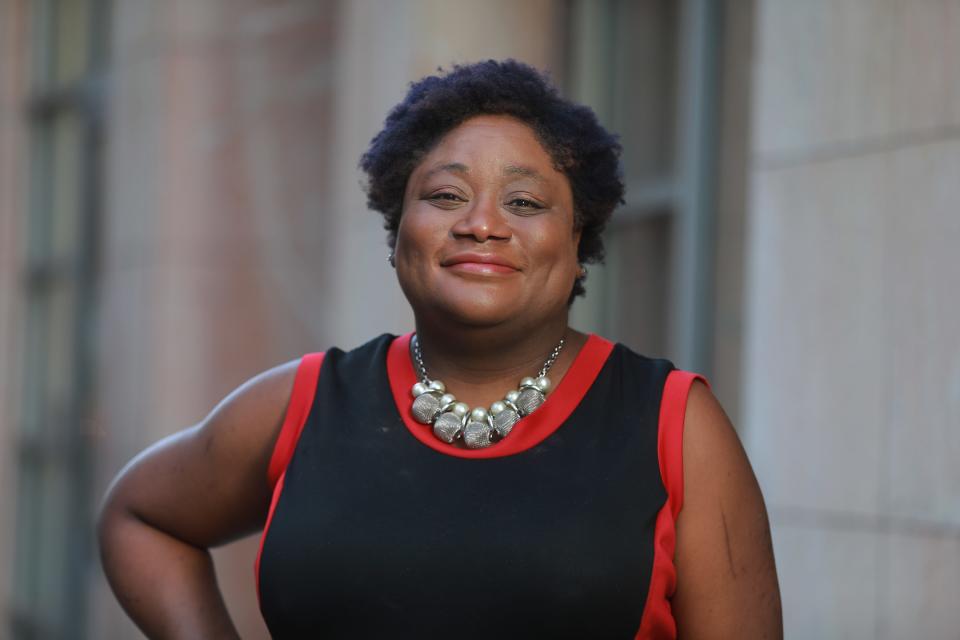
x=483, y=220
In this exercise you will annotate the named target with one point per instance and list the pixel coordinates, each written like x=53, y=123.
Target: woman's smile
x=480, y=264
x=481, y=268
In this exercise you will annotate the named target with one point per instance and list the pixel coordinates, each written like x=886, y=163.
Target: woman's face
x=487, y=230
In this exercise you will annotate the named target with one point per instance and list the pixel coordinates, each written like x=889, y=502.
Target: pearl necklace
x=480, y=427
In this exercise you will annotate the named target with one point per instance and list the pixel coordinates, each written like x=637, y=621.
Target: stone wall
x=851, y=388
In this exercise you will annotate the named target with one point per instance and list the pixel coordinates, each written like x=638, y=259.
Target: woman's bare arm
x=191, y=491
x=726, y=577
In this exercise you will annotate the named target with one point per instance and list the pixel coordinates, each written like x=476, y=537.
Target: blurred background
x=180, y=209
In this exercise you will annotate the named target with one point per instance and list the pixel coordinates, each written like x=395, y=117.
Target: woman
x=604, y=495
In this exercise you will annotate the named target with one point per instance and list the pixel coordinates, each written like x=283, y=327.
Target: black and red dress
x=564, y=529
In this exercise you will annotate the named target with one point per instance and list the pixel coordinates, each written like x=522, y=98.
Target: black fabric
x=377, y=535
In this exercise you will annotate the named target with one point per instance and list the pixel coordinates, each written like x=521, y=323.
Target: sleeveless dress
x=564, y=529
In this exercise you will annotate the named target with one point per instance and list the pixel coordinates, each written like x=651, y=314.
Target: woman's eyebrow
x=521, y=170
x=450, y=167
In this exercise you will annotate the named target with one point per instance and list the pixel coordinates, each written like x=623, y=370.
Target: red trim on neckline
x=527, y=433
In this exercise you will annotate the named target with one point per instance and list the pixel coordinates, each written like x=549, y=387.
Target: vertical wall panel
x=852, y=376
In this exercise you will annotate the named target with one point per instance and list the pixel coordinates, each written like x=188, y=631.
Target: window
x=53, y=538
x=647, y=69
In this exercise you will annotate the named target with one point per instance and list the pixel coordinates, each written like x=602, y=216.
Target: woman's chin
x=477, y=310
x=477, y=316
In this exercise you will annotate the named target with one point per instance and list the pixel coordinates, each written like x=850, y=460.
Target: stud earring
x=391, y=258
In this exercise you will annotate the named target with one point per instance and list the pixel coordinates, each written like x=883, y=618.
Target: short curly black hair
x=580, y=147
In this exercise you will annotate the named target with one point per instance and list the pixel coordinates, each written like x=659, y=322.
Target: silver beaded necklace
x=480, y=427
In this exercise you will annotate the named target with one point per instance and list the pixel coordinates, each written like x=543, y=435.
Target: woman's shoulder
x=261, y=399
x=226, y=454
x=250, y=418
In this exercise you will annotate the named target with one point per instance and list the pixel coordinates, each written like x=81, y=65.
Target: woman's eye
x=445, y=196
x=525, y=203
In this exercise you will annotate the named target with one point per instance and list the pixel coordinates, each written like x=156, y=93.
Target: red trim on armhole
x=657, y=622
x=301, y=401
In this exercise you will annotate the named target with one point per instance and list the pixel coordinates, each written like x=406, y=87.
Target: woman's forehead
x=497, y=143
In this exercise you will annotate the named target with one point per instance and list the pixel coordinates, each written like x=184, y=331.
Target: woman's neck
x=480, y=364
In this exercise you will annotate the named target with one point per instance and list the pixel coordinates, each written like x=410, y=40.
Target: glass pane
x=56, y=194
x=25, y=559
x=66, y=197
x=72, y=30
x=35, y=365
x=637, y=276
x=644, y=73
x=41, y=53
x=55, y=485
x=49, y=357
x=624, y=65
x=38, y=222
x=591, y=55
x=43, y=524
x=59, y=351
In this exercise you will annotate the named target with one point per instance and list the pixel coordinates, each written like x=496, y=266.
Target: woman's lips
x=472, y=262
x=481, y=267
